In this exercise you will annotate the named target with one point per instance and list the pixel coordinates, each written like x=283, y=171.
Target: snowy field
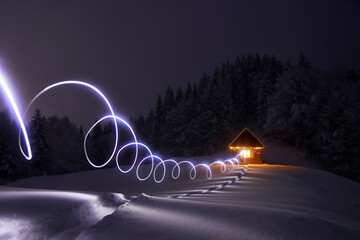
x=260, y=202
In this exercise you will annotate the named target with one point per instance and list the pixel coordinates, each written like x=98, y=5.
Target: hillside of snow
x=257, y=202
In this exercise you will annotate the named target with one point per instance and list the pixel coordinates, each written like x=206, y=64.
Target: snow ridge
x=217, y=187
x=124, y=206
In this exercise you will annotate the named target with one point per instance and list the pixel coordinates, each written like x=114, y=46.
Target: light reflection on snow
x=43, y=214
x=51, y=194
x=189, y=222
x=12, y=228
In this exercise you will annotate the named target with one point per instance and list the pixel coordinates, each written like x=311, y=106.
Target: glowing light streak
x=241, y=158
x=154, y=174
x=176, y=169
x=231, y=164
x=208, y=170
x=223, y=165
x=245, y=153
x=237, y=162
x=164, y=172
x=80, y=83
x=135, y=159
x=192, y=168
x=18, y=116
x=116, y=139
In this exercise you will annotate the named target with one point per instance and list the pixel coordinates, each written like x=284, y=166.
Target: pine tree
x=149, y=132
x=289, y=113
x=169, y=100
x=266, y=87
x=179, y=96
x=352, y=75
x=10, y=159
x=160, y=116
x=159, y=111
x=81, y=133
x=188, y=91
x=39, y=142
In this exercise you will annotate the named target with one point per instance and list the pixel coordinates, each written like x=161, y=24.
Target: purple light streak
x=228, y=164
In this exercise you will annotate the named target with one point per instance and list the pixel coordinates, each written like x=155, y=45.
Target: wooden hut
x=249, y=146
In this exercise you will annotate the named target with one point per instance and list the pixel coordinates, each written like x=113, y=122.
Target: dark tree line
x=201, y=118
x=317, y=112
x=57, y=146
x=11, y=164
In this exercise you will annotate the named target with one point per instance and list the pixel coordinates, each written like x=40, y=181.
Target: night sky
x=134, y=50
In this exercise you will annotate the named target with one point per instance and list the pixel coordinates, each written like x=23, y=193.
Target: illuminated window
x=245, y=153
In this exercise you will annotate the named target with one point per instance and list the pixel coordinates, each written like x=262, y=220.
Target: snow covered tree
x=10, y=159
x=188, y=91
x=289, y=112
x=159, y=111
x=266, y=87
x=148, y=130
x=39, y=143
x=169, y=100
x=179, y=96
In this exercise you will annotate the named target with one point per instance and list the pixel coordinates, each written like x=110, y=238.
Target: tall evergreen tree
x=169, y=100
x=39, y=142
x=188, y=91
x=10, y=159
x=266, y=87
x=179, y=96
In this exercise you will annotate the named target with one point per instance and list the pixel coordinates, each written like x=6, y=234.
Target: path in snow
x=268, y=202
x=264, y=202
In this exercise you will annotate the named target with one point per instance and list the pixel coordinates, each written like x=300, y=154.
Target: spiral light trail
x=228, y=164
x=15, y=108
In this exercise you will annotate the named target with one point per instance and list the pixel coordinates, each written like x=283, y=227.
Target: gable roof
x=246, y=139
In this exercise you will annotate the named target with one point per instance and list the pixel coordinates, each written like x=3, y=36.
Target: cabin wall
x=257, y=159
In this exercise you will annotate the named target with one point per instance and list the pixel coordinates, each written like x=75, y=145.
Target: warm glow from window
x=245, y=153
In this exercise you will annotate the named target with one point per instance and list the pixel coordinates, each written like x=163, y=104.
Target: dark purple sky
x=133, y=50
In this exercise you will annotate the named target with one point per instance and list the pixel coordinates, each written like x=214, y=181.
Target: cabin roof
x=246, y=139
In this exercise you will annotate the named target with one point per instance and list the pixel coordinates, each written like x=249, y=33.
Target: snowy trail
x=265, y=202
x=159, y=218
x=49, y=214
x=28, y=213
x=269, y=202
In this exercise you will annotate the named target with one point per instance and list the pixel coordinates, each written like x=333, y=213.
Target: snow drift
x=265, y=202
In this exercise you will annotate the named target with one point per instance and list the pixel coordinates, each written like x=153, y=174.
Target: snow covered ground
x=262, y=202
